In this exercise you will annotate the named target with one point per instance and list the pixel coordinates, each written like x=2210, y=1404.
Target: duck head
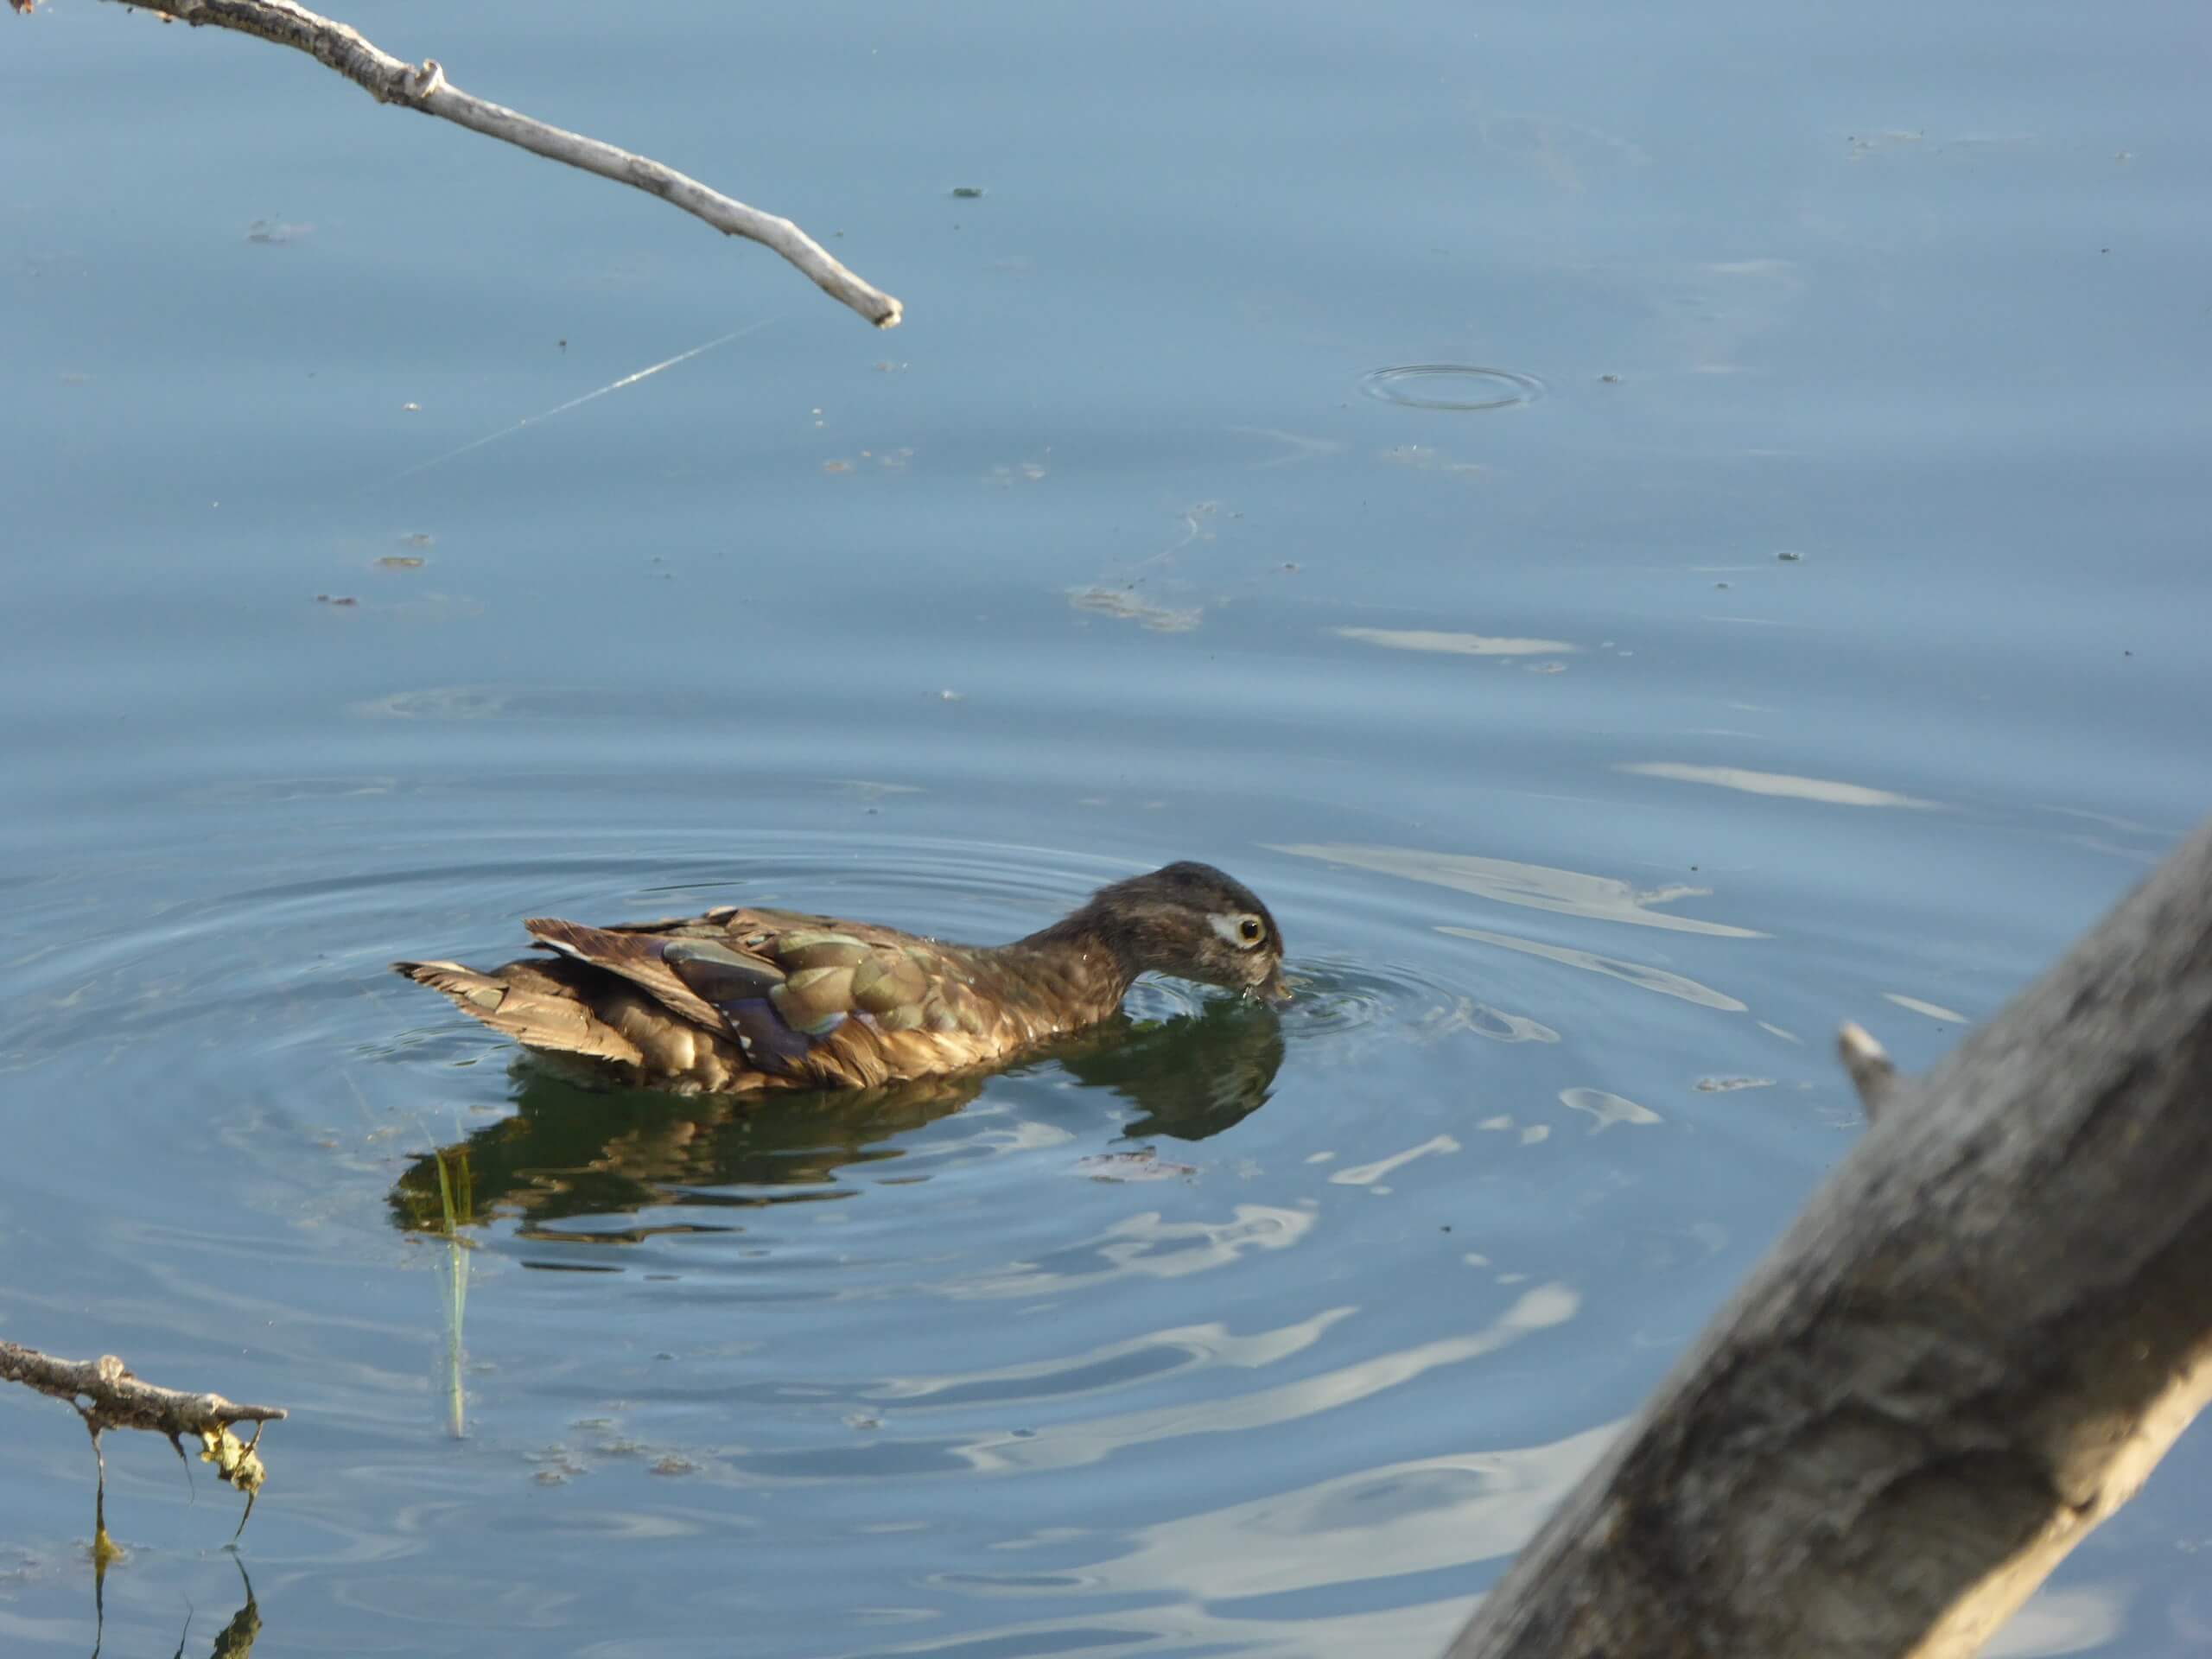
x=1192, y=922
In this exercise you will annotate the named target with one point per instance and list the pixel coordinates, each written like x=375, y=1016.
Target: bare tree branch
x=1872, y=1073
x=106, y=1395
x=425, y=87
x=1976, y=1341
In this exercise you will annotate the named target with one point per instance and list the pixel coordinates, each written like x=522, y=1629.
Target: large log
x=1988, y=1325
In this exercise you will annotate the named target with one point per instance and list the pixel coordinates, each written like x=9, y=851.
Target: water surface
x=1811, y=630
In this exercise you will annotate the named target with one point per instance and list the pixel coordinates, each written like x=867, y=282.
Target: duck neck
x=1080, y=962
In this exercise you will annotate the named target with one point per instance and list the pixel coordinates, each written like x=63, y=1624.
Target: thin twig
x=106, y=1395
x=621, y=384
x=118, y=1400
x=425, y=87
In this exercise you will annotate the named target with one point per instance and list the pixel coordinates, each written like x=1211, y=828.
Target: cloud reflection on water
x=1537, y=887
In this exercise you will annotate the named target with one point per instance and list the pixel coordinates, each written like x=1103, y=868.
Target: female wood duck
x=741, y=1000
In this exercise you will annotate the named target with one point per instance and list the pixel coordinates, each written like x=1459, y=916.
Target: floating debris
x=1123, y=605
x=439, y=702
x=1142, y=1165
x=967, y=192
x=1861, y=145
x=336, y=599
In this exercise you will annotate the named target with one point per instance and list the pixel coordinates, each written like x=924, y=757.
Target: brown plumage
x=741, y=1000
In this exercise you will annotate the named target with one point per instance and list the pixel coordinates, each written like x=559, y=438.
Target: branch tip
x=1872, y=1073
x=424, y=86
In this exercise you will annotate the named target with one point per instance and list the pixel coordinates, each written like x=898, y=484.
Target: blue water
x=1818, y=635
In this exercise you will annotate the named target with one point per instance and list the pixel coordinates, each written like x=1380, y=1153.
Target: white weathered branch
x=1985, y=1328
x=425, y=87
x=1868, y=1065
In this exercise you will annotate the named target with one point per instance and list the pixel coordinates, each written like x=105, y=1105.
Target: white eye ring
x=1241, y=928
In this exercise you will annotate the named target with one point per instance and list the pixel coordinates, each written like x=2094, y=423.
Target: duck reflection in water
x=574, y=1148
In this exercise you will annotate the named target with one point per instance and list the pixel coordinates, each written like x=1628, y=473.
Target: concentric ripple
x=1341, y=1004
x=1121, y=1256
x=1450, y=385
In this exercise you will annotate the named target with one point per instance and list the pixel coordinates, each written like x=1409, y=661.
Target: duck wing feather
x=806, y=997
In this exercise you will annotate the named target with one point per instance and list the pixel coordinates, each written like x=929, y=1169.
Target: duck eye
x=1239, y=928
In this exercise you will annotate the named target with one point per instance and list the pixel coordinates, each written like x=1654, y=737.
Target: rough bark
x=1986, y=1328
x=425, y=87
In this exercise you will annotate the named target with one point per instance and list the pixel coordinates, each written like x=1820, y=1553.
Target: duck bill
x=1272, y=990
